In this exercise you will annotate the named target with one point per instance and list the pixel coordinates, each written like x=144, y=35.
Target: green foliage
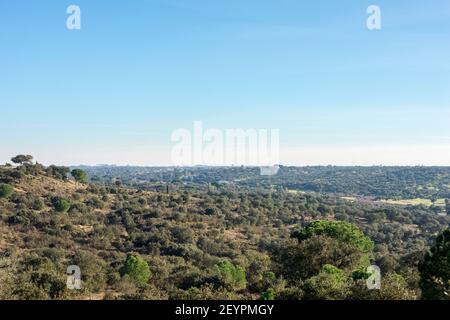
x=259, y=276
x=270, y=294
x=342, y=231
x=60, y=204
x=96, y=203
x=80, y=175
x=330, y=284
x=248, y=227
x=136, y=268
x=93, y=270
x=43, y=278
x=435, y=269
x=393, y=287
x=22, y=159
x=210, y=211
x=231, y=275
x=302, y=260
x=58, y=172
x=5, y=190
x=360, y=274
x=337, y=273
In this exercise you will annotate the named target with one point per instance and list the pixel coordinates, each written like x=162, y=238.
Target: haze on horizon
x=114, y=91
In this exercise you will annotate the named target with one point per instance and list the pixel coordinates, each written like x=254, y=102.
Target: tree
x=336, y=243
x=231, y=275
x=22, y=159
x=342, y=231
x=270, y=294
x=58, y=172
x=393, y=287
x=5, y=190
x=61, y=204
x=79, y=175
x=330, y=284
x=136, y=268
x=259, y=276
x=93, y=270
x=435, y=269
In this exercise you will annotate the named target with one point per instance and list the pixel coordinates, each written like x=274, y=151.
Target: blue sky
x=114, y=91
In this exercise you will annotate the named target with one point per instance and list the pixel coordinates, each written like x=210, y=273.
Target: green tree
x=231, y=275
x=393, y=287
x=79, y=175
x=5, y=190
x=259, y=277
x=22, y=159
x=435, y=269
x=58, y=172
x=270, y=294
x=136, y=268
x=330, y=284
x=337, y=243
x=60, y=204
x=342, y=231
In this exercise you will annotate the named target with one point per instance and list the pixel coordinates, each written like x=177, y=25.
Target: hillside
x=431, y=183
x=194, y=242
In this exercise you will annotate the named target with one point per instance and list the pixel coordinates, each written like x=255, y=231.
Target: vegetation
x=61, y=204
x=371, y=183
x=79, y=175
x=231, y=275
x=5, y=190
x=344, y=232
x=162, y=234
x=435, y=269
x=22, y=159
x=136, y=269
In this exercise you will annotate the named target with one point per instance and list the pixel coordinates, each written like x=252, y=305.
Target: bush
x=210, y=211
x=231, y=275
x=95, y=203
x=37, y=204
x=342, y=231
x=79, y=175
x=136, y=268
x=61, y=204
x=5, y=190
x=435, y=269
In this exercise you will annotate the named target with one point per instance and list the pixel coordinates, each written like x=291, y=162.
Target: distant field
x=409, y=202
x=352, y=199
x=415, y=202
x=404, y=202
x=440, y=202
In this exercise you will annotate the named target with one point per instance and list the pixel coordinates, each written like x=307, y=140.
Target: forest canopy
x=208, y=236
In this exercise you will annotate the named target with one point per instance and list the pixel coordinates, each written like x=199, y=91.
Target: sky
x=114, y=91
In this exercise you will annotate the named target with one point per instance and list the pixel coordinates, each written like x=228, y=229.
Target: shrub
x=79, y=175
x=435, y=269
x=61, y=204
x=5, y=190
x=232, y=275
x=136, y=268
x=342, y=231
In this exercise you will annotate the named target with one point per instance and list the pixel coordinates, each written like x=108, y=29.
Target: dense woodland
x=221, y=233
x=376, y=181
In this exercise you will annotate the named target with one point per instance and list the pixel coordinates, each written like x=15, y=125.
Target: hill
x=197, y=243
